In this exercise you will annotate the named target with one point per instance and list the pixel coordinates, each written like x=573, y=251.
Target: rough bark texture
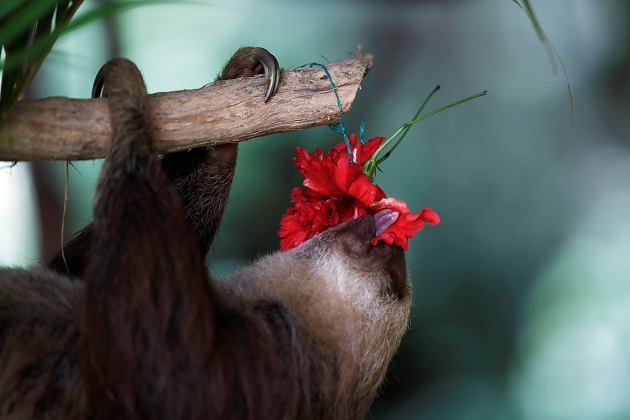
x=224, y=112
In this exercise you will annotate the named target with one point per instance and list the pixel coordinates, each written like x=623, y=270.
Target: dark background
x=522, y=293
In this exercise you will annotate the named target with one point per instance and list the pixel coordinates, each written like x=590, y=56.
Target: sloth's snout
x=355, y=238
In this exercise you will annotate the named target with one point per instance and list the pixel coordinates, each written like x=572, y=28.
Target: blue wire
x=361, y=129
x=339, y=127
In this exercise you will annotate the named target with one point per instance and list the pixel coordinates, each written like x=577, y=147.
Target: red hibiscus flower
x=339, y=187
x=337, y=190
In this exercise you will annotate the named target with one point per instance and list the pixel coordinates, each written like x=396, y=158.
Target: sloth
x=130, y=324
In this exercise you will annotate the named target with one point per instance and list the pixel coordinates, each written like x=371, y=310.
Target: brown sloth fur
x=138, y=329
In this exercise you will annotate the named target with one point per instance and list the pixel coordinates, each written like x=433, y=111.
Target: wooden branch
x=229, y=111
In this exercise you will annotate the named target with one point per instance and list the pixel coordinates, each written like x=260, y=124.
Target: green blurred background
x=522, y=292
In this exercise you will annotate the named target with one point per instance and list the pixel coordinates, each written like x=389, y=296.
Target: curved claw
x=272, y=71
x=99, y=85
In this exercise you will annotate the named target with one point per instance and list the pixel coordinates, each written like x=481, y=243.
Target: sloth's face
x=348, y=247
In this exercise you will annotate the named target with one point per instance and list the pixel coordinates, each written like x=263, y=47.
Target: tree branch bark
x=228, y=111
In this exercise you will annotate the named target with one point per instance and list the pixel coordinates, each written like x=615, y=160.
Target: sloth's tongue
x=384, y=219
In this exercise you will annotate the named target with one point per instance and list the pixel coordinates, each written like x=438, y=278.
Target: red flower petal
x=336, y=179
x=390, y=203
x=353, y=182
x=361, y=153
x=365, y=151
x=310, y=215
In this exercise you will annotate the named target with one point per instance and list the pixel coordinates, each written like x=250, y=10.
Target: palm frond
x=551, y=51
x=28, y=31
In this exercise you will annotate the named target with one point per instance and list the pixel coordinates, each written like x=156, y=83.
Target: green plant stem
x=369, y=167
x=435, y=89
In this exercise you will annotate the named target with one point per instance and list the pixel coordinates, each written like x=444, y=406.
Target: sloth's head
x=350, y=300
x=368, y=296
x=353, y=263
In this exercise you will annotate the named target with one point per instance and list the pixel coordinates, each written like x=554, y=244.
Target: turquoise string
x=361, y=130
x=340, y=126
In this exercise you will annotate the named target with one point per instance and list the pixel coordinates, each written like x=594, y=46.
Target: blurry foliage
x=551, y=51
x=28, y=31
